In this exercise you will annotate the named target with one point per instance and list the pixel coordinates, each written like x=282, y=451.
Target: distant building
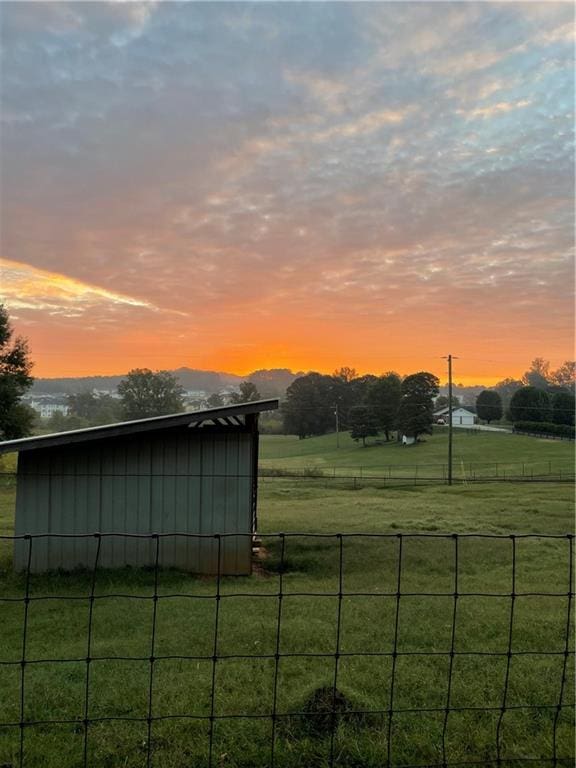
x=461, y=417
x=46, y=410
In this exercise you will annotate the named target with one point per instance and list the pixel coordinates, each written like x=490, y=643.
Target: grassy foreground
x=247, y=627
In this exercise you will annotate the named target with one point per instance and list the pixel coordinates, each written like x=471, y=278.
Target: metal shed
x=194, y=473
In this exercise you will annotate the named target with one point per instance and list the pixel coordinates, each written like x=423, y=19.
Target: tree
x=538, y=374
x=16, y=419
x=383, y=397
x=565, y=375
x=215, y=401
x=530, y=404
x=248, y=393
x=345, y=374
x=489, y=406
x=363, y=423
x=506, y=389
x=563, y=408
x=416, y=412
x=309, y=406
x=145, y=393
x=346, y=391
x=60, y=422
x=94, y=408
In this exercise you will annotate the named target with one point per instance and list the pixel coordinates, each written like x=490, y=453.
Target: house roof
x=224, y=415
x=444, y=411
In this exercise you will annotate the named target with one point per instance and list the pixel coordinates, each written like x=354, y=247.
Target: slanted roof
x=225, y=416
x=457, y=409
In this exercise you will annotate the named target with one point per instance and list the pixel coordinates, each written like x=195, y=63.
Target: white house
x=46, y=410
x=461, y=417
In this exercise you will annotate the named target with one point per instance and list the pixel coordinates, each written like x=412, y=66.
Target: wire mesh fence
x=392, y=649
x=427, y=474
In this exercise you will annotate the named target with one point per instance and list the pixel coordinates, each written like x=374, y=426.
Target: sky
x=234, y=186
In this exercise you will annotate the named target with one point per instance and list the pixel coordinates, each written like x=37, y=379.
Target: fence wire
x=363, y=705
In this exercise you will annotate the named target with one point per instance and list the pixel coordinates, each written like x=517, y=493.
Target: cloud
x=495, y=109
x=241, y=162
x=27, y=287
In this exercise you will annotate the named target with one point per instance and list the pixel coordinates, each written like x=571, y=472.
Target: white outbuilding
x=461, y=417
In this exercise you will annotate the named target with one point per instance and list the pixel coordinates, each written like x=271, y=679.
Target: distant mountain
x=270, y=383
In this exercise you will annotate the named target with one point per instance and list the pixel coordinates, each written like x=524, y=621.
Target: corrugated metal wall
x=182, y=482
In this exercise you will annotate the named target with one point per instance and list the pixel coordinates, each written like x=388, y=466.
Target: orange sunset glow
x=233, y=187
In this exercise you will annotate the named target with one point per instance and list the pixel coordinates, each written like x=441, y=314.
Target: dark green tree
x=59, y=422
x=248, y=393
x=383, y=397
x=530, y=404
x=309, y=406
x=94, y=408
x=346, y=391
x=416, y=412
x=362, y=423
x=145, y=393
x=215, y=401
x=563, y=408
x=16, y=419
x=489, y=406
x=506, y=389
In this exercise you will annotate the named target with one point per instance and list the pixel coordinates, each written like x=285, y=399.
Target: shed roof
x=224, y=415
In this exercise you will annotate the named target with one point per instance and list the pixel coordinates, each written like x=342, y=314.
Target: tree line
x=363, y=405
x=315, y=403
x=540, y=396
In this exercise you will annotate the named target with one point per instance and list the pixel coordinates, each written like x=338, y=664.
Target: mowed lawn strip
x=483, y=453
x=247, y=626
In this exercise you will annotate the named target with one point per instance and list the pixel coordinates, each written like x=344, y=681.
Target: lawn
x=384, y=643
x=475, y=454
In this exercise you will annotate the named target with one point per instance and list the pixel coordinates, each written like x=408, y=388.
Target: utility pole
x=450, y=358
x=337, y=427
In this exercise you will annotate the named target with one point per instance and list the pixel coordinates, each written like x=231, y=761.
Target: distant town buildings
x=47, y=406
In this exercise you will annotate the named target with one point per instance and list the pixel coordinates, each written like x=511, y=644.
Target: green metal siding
x=182, y=482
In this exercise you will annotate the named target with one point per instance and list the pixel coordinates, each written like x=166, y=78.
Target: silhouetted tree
x=530, y=404
x=309, y=406
x=145, y=393
x=215, y=401
x=383, y=397
x=489, y=406
x=565, y=375
x=362, y=423
x=538, y=374
x=248, y=393
x=16, y=419
x=94, y=408
x=563, y=408
x=416, y=412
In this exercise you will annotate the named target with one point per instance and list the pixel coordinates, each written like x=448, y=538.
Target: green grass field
x=481, y=454
x=247, y=626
